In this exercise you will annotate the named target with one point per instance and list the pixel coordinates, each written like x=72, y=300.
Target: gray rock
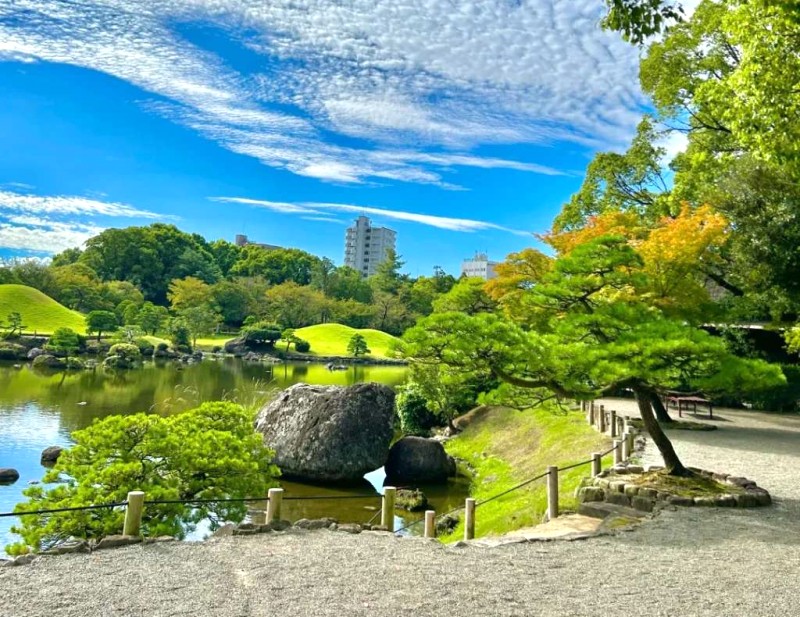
x=591, y=493
x=329, y=433
x=35, y=353
x=50, y=455
x=224, y=531
x=761, y=495
x=23, y=560
x=415, y=460
x=8, y=475
x=79, y=546
x=635, y=469
x=678, y=500
x=705, y=501
x=446, y=524
x=746, y=500
x=618, y=499
x=350, y=528
x=617, y=486
x=315, y=523
x=412, y=500
x=117, y=541
x=643, y=504
x=725, y=501
x=649, y=493
x=631, y=490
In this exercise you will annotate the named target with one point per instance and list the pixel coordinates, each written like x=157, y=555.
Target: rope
x=513, y=488
x=574, y=465
x=73, y=509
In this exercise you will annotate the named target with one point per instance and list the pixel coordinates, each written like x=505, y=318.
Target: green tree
x=348, y=284
x=296, y=306
x=64, y=341
x=101, y=321
x=232, y=301
x=151, y=317
x=261, y=333
x=276, y=266
x=468, y=296
x=14, y=327
x=189, y=292
x=357, y=346
x=597, y=336
x=387, y=277
x=206, y=453
x=200, y=320
x=639, y=20
x=180, y=334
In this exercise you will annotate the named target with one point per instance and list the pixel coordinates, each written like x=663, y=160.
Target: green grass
x=40, y=313
x=505, y=447
x=331, y=339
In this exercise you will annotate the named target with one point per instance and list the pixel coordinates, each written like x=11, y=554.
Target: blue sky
x=462, y=125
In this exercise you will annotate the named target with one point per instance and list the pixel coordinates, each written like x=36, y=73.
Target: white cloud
x=49, y=224
x=419, y=84
x=319, y=208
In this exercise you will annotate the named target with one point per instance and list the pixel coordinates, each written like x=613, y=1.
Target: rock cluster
x=331, y=524
x=616, y=486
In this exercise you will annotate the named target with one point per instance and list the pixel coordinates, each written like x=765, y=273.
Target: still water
x=40, y=409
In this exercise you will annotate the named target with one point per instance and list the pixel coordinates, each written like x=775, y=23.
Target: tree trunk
x=672, y=463
x=658, y=407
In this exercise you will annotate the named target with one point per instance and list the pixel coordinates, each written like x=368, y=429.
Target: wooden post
x=469, y=519
x=621, y=424
x=601, y=424
x=597, y=464
x=583, y=406
x=617, y=451
x=133, y=514
x=552, y=492
x=387, y=514
x=591, y=413
x=626, y=450
x=430, y=524
x=629, y=437
x=275, y=499
x=613, y=423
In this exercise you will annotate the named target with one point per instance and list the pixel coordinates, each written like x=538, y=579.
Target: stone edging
x=611, y=487
x=84, y=546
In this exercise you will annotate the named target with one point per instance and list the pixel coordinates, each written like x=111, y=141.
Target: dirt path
x=688, y=562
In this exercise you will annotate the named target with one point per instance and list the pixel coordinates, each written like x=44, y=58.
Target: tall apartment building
x=365, y=246
x=479, y=266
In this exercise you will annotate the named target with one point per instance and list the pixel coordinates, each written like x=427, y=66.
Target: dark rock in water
x=237, y=347
x=8, y=475
x=49, y=361
x=446, y=524
x=419, y=460
x=329, y=433
x=35, y=353
x=50, y=455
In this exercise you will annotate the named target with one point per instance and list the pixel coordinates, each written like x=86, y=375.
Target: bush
x=12, y=351
x=302, y=346
x=46, y=360
x=784, y=397
x=415, y=417
x=122, y=355
x=145, y=347
x=162, y=347
x=261, y=333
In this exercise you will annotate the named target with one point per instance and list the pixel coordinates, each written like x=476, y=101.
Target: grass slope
x=505, y=447
x=40, y=313
x=331, y=339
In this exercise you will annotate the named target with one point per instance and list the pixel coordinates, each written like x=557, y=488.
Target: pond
x=40, y=409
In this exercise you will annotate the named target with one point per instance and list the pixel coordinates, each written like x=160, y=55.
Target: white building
x=479, y=266
x=365, y=246
x=242, y=240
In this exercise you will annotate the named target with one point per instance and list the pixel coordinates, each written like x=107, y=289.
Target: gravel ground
x=686, y=562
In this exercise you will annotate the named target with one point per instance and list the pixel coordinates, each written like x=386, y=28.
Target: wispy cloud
x=443, y=77
x=320, y=208
x=49, y=224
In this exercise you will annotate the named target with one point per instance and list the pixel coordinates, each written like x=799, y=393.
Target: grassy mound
x=504, y=447
x=40, y=313
x=331, y=339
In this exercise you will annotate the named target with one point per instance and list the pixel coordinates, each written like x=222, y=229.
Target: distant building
x=365, y=246
x=479, y=266
x=241, y=240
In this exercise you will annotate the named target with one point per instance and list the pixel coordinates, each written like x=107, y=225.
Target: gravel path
x=688, y=562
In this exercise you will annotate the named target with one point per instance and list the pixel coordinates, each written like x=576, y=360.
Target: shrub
x=12, y=351
x=145, y=347
x=162, y=347
x=46, y=360
x=412, y=409
x=122, y=355
x=784, y=397
x=261, y=333
x=302, y=346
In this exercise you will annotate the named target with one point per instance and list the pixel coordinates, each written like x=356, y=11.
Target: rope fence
x=604, y=421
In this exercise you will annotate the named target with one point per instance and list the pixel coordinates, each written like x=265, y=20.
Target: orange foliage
x=626, y=224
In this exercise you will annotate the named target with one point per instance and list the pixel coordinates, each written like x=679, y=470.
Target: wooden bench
x=682, y=402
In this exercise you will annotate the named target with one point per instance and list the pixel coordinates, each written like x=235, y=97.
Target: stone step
x=604, y=510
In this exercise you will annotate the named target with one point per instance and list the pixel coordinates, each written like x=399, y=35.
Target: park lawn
x=207, y=343
x=331, y=339
x=40, y=313
x=504, y=447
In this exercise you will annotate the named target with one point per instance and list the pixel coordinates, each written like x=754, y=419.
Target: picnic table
x=683, y=401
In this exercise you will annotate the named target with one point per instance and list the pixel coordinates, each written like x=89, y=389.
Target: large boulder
x=50, y=455
x=8, y=475
x=419, y=460
x=329, y=433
